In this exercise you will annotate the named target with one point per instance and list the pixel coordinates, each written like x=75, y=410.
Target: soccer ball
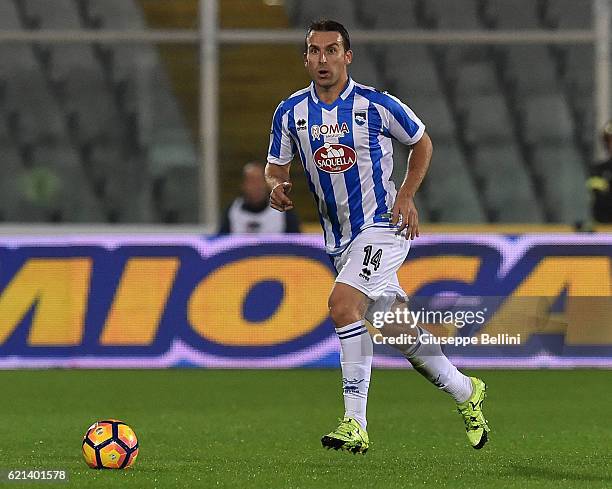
x=110, y=444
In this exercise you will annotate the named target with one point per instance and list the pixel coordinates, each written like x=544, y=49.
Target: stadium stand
x=449, y=14
x=88, y=117
x=567, y=14
x=388, y=14
x=518, y=14
x=303, y=13
x=509, y=192
x=449, y=181
x=558, y=167
x=509, y=123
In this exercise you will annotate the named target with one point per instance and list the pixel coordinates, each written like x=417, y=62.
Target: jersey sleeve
x=281, y=149
x=402, y=123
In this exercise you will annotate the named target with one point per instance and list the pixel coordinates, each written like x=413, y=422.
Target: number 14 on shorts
x=372, y=259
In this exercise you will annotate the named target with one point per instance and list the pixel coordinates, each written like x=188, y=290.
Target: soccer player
x=342, y=132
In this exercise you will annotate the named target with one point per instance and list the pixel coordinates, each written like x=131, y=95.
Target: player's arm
x=418, y=163
x=280, y=153
x=279, y=182
x=403, y=124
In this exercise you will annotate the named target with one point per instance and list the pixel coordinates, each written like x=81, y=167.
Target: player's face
x=325, y=58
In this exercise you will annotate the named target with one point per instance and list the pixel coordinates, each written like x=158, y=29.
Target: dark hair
x=326, y=25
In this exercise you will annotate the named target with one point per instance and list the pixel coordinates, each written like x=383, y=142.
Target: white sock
x=431, y=363
x=356, y=361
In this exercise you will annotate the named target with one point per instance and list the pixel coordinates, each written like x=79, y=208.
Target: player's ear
x=305, y=58
x=348, y=56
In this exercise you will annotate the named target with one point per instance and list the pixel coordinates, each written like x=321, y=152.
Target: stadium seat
x=19, y=65
x=131, y=62
x=390, y=14
x=174, y=149
x=74, y=60
x=55, y=155
x=578, y=72
x=583, y=105
x=69, y=197
x=455, y=57
x=5, y=132
x=563, y=174
x=450, y=14
x=11, y=172
x=104, y=162
x=25, y=93
x=53, y=14
x=292, y=7
x=515, y=14
x=160, y=118
x=93, y=108
x=365, y=70
x=486, y=120
x=128, y=193
x=434, y=113
x=9, y=20
x=343, y=11
x=477, y=78
x=126, y=59
x=569, y=14
x=76, y=70
x=546, y=119
x=178, y=191
x=410, y=70
x=125, y=183
x=530, y=69
x=508, y=189
x=117, y=14
x=38, y=116
x=451, y=194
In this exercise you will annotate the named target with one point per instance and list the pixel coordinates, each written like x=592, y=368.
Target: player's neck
x=328, y=95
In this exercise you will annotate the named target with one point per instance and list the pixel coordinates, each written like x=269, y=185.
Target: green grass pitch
x=261, y=429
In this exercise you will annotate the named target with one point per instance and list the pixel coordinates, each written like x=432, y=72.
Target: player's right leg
x=364, y=271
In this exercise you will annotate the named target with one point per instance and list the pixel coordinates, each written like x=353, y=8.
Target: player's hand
x=279, y=199
x=405, y=213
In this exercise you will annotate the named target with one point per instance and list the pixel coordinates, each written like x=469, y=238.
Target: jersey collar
x=343, y=95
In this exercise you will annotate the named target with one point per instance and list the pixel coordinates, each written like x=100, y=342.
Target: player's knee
x=342, y=313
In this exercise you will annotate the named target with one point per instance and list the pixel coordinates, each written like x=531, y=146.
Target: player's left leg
x=427, y=358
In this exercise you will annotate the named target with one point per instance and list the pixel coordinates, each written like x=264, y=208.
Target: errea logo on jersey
x=334, y=158
x=330, y=130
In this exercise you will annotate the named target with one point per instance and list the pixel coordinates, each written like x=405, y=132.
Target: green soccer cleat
x=348, y=436
x=475, y=423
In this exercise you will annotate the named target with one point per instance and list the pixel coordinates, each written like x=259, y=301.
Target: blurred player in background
x=600, y=181
x=342, y=131
x=251, y=213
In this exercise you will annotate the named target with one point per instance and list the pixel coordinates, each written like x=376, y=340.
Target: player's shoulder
x=377, y=96
x=296, y=97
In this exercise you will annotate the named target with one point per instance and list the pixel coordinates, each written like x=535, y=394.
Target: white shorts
x=370, y=264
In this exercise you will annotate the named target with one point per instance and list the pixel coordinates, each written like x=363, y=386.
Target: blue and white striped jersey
x=347, y=154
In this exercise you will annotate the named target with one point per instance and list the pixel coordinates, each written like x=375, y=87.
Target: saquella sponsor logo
x=335, y=158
